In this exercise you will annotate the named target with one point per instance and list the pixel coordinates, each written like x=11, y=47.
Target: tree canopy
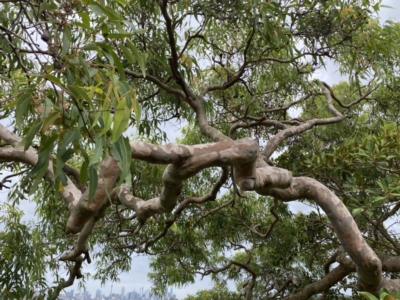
x=88, y=88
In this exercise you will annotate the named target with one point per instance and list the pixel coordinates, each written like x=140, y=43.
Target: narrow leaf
x=138, y=110
x=119, y=65
x=50, y=120
x=83, y=176
x=69, y=138
x=53, y=79
x=121, y=151
x=23, y=102
x=93, y=180
x=139, y=58
x=121, y=120
x=28, y=138
x=98, y=151
x=66, y=42
x=128, y=54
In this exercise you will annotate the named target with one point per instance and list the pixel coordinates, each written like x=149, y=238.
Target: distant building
x=98, y=294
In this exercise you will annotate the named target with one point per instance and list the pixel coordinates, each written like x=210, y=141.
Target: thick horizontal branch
x=184, y=162
x=70, y=193
x=197, y=157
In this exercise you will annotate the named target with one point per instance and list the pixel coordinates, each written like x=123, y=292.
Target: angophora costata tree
x=77, y=74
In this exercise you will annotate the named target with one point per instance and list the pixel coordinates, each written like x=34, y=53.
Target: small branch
x=275, y=141
x=362, y=97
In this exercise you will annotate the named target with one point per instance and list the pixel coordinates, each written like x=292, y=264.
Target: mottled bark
x=87, y=208
x=251, y=173
x=369, y=267
x=184, y=162
x=15, y=152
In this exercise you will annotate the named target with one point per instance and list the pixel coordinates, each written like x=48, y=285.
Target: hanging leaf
x=66, y=41
x=107, y=121
x=40, y=169
x=98, y=150
x=53, y=79
x=84, y=68
x=28, y=138
x=80, y=93
x=50, y=120
x=139, y=58
x=93, y=181
x=23, y=102
x=128, y=54
x=119, y=66
x=71, y=136
x=83, y=174
x=121, y=120
x=137, y=109
x=121, y=150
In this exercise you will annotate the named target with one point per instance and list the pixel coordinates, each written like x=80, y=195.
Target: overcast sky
x=137, y=277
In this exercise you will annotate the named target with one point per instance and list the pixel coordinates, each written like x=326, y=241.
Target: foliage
x=384, y=294
x=217, y=293
x=80, y=80
x=21, y=254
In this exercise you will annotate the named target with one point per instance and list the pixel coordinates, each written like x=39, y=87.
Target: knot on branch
x=268, y=178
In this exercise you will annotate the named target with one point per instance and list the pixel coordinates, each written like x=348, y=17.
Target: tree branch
x=275, y=141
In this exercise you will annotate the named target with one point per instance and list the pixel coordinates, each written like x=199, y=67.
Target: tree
x=76, y=75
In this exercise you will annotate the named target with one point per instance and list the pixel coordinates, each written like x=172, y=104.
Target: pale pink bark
x=87, y=208
x=70, y=192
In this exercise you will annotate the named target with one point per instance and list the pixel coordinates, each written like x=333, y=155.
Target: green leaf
x=398, y=294
x=62, y=157
x=100, y=10
x=138, y=111
x=368, y=296
x=80, y=93
x=98, y=150
x=85, y=19
x=90, y=46
x=107, y=120
x=121, y=151
x=53, y=79
x=126, y=92
x=28, y=138
x=93, y=181
x=23, y=102
x=71, y=136
x=66, y=41
x=139, y=58
x=82, y=25
x=83, y=175
x=134, y=28
x=50, y=120
x=128, y=54
x=84, y=68
x=96, y=9
x=357, y=211
x=119, y=66
x=63, y=178
x=39, y=170
x=121, y=120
